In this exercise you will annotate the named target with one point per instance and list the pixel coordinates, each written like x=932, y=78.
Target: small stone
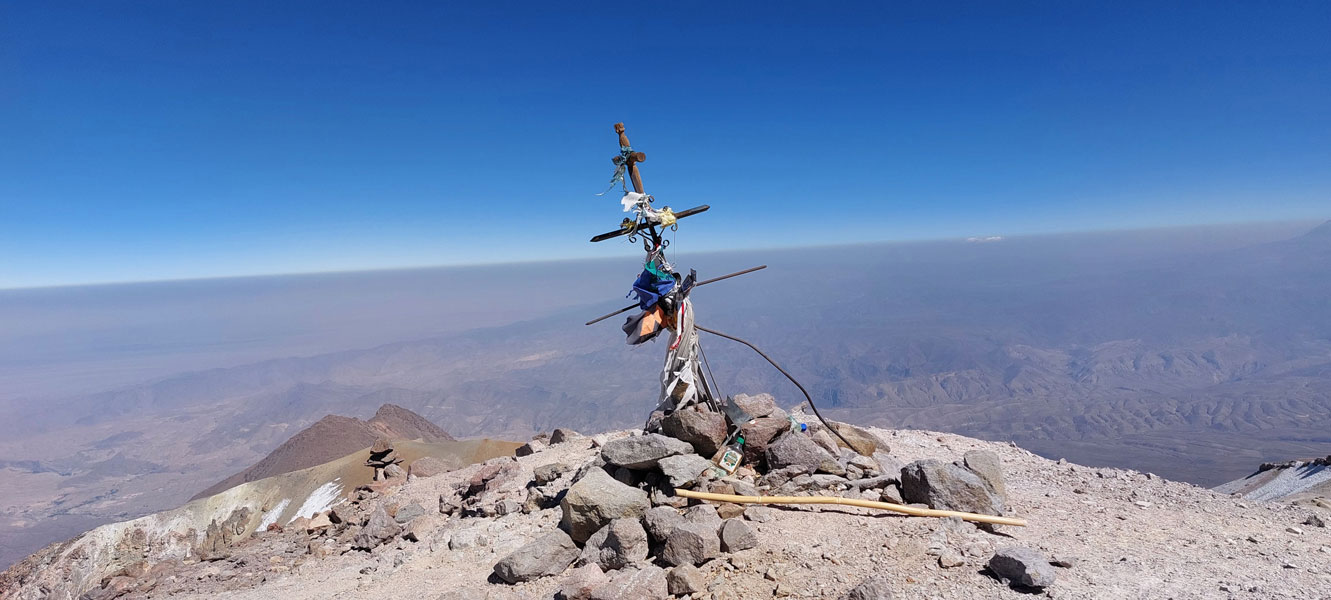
x=448, y=504
x=379, y=529
x=703, y=513
x=493, y=474
x=1142, y=504
x=530, y=448
x=759, y=514
x=685, y=579
x=949, y=559
x=562, y=434
x=1063, y=562
x=1294, y=530
x=546, y=473
x=468, y=538
x=1022, y=566
x=507, y=506
x=741, y=487
x=736, y=535
x=1314, y=521
x=408, y=512
x=625, y=476
x=319, y=522
x=729, y=510
x=394, y=472
x=417, y=530
x=877, y=587
x=645, y=583
x=659, y=520
x=580, y=582
x=825, y=441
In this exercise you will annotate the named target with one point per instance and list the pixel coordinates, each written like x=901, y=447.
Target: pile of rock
x=621, y=521
x=621, y=518
x=384, y=460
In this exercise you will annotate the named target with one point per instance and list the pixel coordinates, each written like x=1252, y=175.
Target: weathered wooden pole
x=633, y=159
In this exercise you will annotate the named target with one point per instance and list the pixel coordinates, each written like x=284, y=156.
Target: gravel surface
x=1124, y=534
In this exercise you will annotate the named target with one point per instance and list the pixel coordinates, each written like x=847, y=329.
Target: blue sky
x=148, y=140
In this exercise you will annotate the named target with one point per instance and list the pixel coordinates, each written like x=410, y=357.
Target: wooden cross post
x=633, y=159
x=629, y=162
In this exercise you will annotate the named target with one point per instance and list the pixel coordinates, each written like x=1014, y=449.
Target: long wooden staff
x=908, y=510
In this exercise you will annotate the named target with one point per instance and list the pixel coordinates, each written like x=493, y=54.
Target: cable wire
x=783, y=372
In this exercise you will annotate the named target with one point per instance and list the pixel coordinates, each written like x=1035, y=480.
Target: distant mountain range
x=332, y=437
x=1194, y=354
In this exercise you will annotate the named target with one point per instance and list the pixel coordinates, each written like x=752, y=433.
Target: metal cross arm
x=699, y=284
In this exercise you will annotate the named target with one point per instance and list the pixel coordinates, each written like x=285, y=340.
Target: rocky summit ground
x=1109, y=534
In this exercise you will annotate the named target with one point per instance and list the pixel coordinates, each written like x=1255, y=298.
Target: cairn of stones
x=383, y=459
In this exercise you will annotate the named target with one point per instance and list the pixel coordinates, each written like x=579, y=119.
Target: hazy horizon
x=297, y=312
x=621, y=251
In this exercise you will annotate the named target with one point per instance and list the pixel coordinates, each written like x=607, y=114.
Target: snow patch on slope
x=271, y=516
x=1290, y=481
x=322, y=498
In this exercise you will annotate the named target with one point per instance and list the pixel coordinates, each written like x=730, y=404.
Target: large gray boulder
x=580, y=582
x=427, y=466
x=948, y=486
x=756, y=405
x=736, y=535
x=1022, y=566
x=379, y=529
x=409, y=512
x=642, y=452
x=596, y=500
x=547, y=555
x=702, y=513
x=659, y=520
x=617, y=545
x=986, y=464
x=797, y=449
x=705, y=431
x=877, y=587
x=889, y=466
x=645, y=583
x=684, y=469
x=684, y=580
x=691, y=544
x=757, y=435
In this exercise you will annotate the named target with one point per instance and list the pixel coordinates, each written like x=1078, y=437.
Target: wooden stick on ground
x=909, y=510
